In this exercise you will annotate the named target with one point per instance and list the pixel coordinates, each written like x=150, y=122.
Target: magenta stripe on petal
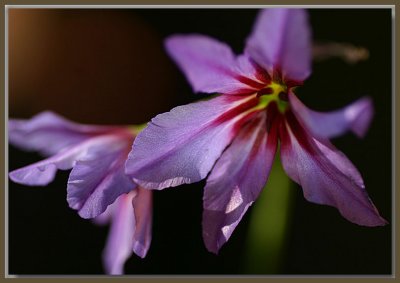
x=236, y=181
x=181, y=146
x=281, y=38
x=210, y=65
x=326, y=175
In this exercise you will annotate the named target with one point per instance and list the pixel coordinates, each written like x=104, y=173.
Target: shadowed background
x=109, y=67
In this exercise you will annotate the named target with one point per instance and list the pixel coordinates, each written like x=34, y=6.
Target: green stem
x=269, y=224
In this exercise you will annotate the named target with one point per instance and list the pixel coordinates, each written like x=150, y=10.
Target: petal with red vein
x=210, y=65
x=326, y=175
x=281, y=39
x=236, y=181
x=181, y=146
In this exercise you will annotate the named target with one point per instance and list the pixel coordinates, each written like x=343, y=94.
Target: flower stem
x=269, y=224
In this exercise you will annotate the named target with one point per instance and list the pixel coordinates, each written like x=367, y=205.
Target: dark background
x=109, y=67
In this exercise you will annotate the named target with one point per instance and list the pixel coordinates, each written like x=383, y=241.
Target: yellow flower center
x=276, y=92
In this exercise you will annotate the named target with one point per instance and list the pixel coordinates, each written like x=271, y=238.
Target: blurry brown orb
x=92, y=66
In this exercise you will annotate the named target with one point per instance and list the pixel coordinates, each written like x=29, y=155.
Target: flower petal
x=106, y=217
x=326, y=175
x=43, y=172
x=98, y=178
x=143, y=208
x=281, y=39
x=119, y=242
x=49, y=133
x=37, y=174
x=210, y=65
x=236, y=181
x=355, y=117
x=182, y=145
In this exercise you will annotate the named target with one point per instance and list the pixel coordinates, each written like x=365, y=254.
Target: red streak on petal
x=261, y=73
x=242, y=91
x=274, y=116
x=278, y=77
x=292, y=83
x=298, y=131
x=237, y=110
x=249, y=82
x=248, y=118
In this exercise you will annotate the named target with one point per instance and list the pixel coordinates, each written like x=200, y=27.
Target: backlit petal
x=181, y=146
x=326, y=175
x=43, y=172
x=355, y=117
x=119, y=242
x=143, y=208
x=281, y=39
x=236, y=181
x=210, y=65
x=106, y=217
x=98, y=178
x=49, y=133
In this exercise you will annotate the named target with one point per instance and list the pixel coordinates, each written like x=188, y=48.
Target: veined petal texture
x=98, y=177
x=211, y=67
x=237, y=180
x=181, y=146
x=326, y=175
x=119, y=242
x=281, y=39
x=49, y=133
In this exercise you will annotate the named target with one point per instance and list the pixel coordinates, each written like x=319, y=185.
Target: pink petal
x=181, y=146
x=236, y=181
x=326, y=175
x=281, y=39
x=143, y=208
x=210, y=65
x=119, y=242
x=355, y=117
x=98, y=178
x=49, y=133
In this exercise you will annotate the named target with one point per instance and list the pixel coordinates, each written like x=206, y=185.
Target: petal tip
x=364, y=112
x=33, y=176
x=139, y=249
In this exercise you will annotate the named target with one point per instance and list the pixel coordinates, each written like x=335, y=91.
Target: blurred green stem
x=269, y=224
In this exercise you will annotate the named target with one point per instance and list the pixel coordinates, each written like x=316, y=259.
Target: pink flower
x=232, y=139
x=97, y=186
